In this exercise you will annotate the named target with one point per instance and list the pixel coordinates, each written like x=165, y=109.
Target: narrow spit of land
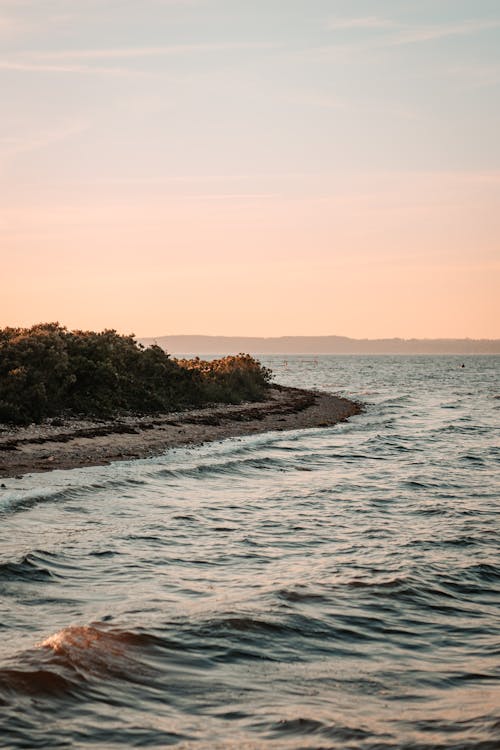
x=73, y=443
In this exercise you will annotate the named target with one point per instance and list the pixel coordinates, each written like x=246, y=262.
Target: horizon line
x=411, y=339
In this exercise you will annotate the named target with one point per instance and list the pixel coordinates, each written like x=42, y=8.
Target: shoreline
x=75, y=443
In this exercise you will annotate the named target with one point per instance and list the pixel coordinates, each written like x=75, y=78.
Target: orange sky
x=340, y=176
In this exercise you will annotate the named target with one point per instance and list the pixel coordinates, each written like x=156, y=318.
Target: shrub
x=48, y=371
x=230, y=379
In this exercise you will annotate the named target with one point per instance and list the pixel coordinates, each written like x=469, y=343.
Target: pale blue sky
x=379, y=109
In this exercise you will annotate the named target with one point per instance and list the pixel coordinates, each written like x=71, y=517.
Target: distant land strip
x=320, y=345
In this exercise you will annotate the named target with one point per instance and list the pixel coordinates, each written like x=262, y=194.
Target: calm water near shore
x=329, y=588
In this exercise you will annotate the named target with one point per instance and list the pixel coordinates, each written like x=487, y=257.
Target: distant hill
x=320, y=345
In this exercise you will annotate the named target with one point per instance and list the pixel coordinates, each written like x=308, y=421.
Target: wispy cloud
x=37, y=67
x=413, y=35
x=401, y=33
x=11, y=145
x=9, y=26
x=134, y=52
x=322, y=100
x=80, y=60
x=364, y=22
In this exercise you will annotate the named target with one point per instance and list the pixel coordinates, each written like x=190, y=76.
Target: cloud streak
x=138, y=52
x=79, y=60
x=12, y=145
x=412, y=34
x=366, y=22
x=37, y=67
x=431, y=33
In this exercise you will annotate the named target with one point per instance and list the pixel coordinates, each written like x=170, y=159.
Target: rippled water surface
x=330, y=588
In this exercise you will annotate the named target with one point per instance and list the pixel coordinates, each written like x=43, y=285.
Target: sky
x=274, y=167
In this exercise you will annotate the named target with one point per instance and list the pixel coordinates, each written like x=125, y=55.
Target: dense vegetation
x=48, y=371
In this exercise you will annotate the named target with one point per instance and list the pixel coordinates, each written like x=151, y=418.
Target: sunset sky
x=274, y=167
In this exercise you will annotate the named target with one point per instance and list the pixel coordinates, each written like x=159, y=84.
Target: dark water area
x=329, y=588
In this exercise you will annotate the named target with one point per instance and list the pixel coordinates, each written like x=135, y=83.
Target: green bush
x=230, y=379
x=48, y=371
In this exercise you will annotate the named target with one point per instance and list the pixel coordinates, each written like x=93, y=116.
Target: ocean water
x=329, y=588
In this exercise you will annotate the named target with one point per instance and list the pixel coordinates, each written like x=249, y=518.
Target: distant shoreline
x=321, y=345
x=73, y=443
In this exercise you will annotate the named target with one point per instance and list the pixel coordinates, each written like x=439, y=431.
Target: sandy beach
x=72, y=443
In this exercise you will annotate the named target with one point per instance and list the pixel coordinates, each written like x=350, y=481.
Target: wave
x=31, y=568
x=300, y=726
x=35, y=681
x=242, y=466
x=66, y=660
x=228, y=467
x=96, y=651
x=25, y=499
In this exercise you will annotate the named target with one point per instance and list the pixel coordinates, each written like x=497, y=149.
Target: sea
x=324, y=588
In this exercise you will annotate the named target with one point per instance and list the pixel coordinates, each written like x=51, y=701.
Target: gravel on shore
x=71, y=443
